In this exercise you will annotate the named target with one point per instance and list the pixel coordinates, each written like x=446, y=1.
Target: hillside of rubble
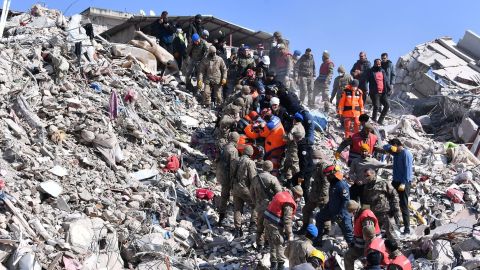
x=101, y=161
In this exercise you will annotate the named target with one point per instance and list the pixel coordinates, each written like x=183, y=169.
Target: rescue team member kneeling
x=278, y=222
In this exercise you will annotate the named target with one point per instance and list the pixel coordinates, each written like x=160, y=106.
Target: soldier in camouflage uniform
x=226, y=124
x=304, y=74
x=228, y=154
x=243, y=173
x=291, y=164
x=322, y=83
x=382, y=198
x=262, y=190
x=213, y=74
x=196, y=51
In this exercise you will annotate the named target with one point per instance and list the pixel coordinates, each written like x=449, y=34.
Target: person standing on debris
x=322, y=83
x=195, y=27
x=164, y=32
x=262, y=190
x=233, y=72
x=318, y=194
x=360, y=72
x=278, y=223
x=227, y=124
x=213, y=72
x=389, y=69
x=299, y=250
x=380, y=196
x=245, y=62
x=196, y=51
x=357, y=172
x=350, y=107
x=228, y=154
x=362, y=218
x=283, y=65
x=356, y=144
x=179, y=46
x=304, y=74
x=305, y=163
x=397, y=261
x=243, y=173
x=280, y=112
x=341, y=81
x=402, y=177
x=379, y=91
x=291, y=164
x=336, y=208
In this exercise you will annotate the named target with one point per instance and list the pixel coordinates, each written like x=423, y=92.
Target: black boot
x=273, y=266
x=281, y=266
x=221, y=217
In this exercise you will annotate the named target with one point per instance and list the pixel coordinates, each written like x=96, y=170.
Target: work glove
x=337, y=155
x=401, y=188
x=224, y=82
x=393, y=149
x=199, y=84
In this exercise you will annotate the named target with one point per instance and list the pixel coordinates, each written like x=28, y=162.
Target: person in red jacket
x=363, y=218
x=398, y=261
x=355, y=142
x=351, y=107
x=375, y=243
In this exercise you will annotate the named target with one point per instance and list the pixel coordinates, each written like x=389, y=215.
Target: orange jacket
x=273, y=132
x=351, y=102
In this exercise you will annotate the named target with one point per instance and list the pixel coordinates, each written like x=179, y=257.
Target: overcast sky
x=342, y=27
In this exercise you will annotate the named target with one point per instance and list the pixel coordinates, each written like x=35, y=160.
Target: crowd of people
x=268, y=157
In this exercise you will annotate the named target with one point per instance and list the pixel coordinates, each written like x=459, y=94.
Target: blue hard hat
x=297, y=53
x=312, y=229
x=195, y=37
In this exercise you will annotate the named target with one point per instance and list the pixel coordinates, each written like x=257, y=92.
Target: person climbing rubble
x=243, y=173
x=351, y=107
x=278, y=224
x=263, y=188
x=322, y=83
x=212, y=76
x=355, y=142
x=291, y=165
x=225, y=161
x=196, y=51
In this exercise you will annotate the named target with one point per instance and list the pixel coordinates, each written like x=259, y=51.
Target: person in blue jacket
x=336, y=208
x=402, y=177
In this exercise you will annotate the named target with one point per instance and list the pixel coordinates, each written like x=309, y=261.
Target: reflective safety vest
x=324, y=67
x=275, y=208
x=378, y=244
x=351, y=102
x=400, y=262
x=358, y=140
x=357, y=227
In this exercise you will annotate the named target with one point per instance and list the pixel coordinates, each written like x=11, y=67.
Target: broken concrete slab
x=51, y=187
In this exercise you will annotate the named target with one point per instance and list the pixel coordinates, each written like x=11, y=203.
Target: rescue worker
x=402, y=177
x=245, y=62
x=280, y=112
x=238, y=102
x=319, y=192
x=243, y=172
x=356, y=141
x=283, y=65
x=379, y=91
x=336, y=208
x=213, y=72
x=374, y=260
x=233, y=72
x=362, y=218
x=228, y=154
x=360, y=71
x=262, y=190
x=398, y=261
x=243, y=91
x=304, y=74
x=374, y=243
x=380, y=196
x=299, y=250
x=272, y=130
x=357, y=172
x=226, y=124
x=196, y=50
x=179, y=46
x=315, y=261
x=291, y=164
x=305, y=163
x=278, y=223
x=341, y=81
x=350, y=107
x=322, y=83
x=195, y=27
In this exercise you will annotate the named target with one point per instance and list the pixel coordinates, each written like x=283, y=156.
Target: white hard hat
x=205, y=33
x=274, y=101
x=266, y=60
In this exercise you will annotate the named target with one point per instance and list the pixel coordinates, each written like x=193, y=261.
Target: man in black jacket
x=379, y=91
x=195, y=27
x=389, y=68
x=360, y=71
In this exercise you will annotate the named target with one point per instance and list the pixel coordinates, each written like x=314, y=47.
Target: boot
x=252, y=227
x=237, y=233
x=273, y=265
x=380, y=120
x=281, y=266
x=221, y=217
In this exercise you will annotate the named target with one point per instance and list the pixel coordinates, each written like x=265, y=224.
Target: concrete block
x=470, y=43
x=467, y=130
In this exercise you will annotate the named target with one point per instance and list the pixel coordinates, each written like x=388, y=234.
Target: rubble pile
x=88, y=154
